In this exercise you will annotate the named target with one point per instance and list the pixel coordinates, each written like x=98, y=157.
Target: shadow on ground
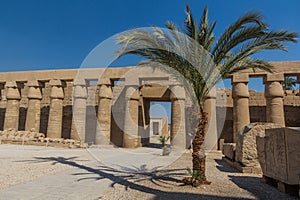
x=129, y=177
x=256, y=186
x=224, y=167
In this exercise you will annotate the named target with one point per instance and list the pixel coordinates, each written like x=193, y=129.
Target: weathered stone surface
x=229, y=150
x=131, y=138
x=54, y=129
x=54, y=89
x=178, y=135
x=32, y=137
x=79, y=111
x=246, y=152
x=14, y=135
x=260, y=147
x=13, y=97
x=212, y=132
x=281, y=150
x=274, y=99
x=240, y=94
x=104, y=115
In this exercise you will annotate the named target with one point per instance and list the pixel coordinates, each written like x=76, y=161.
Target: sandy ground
x=226, y=183
x=21, y=164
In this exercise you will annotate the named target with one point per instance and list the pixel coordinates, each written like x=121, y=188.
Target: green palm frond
x=193, y=57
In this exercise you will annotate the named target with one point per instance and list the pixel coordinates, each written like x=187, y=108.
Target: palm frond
x=185, y=53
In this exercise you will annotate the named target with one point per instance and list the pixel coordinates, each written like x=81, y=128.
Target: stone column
x=178, y=131
x=34, y=106
x=56, y=109
x=12, y=107
x=79, y=110
x=131, y=137
x=211, y=138
x=104, y=113
x=274, y=98
x=240, y=95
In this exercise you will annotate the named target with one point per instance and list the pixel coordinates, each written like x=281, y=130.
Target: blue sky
x=56, y=34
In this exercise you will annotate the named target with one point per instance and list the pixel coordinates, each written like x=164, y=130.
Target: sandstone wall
x=224, y=101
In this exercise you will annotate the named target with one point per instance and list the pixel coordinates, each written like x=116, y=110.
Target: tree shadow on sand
x=253, y=184
x=261, y=190
x=130, y=177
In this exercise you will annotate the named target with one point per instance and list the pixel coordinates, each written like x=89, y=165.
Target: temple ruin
x=112, y=105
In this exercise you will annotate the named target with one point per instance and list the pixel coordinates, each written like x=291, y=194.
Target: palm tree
x=183, y=51
x=289, y=83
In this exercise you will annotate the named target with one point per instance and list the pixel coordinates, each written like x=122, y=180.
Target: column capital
x=33, y=83
x=56, y=89
x=104, y=81
x=240, y=90
x=105, y=91
x=212, y=94
x=79, y=82
x=273, y=89
x=11, y=84
x=177, y=92
x=55, y=82
x=79, y=92
x=132, y=92
x=34, y=91
x=12, y=91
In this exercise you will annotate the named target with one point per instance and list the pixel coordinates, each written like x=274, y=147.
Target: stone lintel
x=240, y=78
x=274, y=77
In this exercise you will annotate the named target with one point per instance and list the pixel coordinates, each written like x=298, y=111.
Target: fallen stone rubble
x=30, y=137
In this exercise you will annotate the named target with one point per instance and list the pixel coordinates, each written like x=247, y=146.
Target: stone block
x=275, y=77
x=260, y=144
x=229, y=150
x=288, y=100
x=237, y=78
x=246, y=152
x=261, y=102
x=282, y=155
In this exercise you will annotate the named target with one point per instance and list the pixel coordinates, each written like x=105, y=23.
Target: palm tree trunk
x=199, y=157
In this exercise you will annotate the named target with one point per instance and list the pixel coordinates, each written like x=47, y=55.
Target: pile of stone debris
x=33, y=137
